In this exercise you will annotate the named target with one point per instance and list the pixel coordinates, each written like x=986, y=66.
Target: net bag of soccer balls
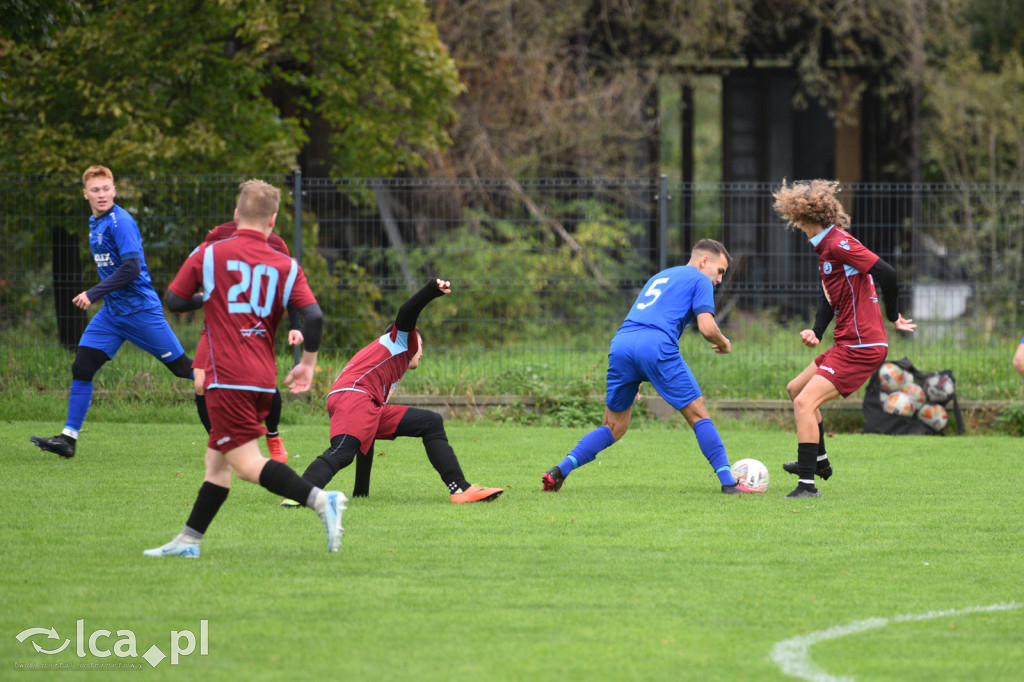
x=900, y=399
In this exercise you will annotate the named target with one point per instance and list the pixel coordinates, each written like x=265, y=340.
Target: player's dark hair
x=391, y=325
x=713, y=247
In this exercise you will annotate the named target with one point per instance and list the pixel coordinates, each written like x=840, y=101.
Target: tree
x=35, y=21
x=227, y=86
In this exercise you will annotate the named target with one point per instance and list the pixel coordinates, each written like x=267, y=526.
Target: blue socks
x=707, y=438
x=588, y=447
x=714, y=450
x=78, y=404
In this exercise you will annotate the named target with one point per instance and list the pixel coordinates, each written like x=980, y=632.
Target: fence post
x=663, y=223
x=297, y=251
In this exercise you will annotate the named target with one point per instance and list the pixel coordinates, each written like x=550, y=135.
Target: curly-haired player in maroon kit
x=849, y=271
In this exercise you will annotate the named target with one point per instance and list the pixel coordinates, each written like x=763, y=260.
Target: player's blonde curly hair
x=811, y=201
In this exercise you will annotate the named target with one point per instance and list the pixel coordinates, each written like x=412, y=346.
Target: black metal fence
x=543, y=269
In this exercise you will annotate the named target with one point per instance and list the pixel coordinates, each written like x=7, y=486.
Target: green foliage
x=382, y=79
x=975, y=129
x=1011, y=419
x=36, y=21
x=121, y=87
x=534, y=280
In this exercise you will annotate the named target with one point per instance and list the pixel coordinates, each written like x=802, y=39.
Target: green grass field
x=639, y=569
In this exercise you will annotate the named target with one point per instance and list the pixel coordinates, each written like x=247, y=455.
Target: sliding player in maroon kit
x=274, y=443
x=848, y=272
x=360, y=413
x=246, y=286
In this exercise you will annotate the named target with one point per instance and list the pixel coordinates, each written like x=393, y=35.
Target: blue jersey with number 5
x=671, y=300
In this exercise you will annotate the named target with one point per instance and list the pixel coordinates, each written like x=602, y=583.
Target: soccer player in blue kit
x=131, y=308
x=646, y=348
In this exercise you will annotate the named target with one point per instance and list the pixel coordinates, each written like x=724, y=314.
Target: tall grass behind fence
x=543, y=272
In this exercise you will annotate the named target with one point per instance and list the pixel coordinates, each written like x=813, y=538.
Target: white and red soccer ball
x=899, y=404
x=916, y=393
x=892, y=377
x=751, y=473
x=934, y=416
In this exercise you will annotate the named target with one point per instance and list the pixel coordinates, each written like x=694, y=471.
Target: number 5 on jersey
x=653, y=292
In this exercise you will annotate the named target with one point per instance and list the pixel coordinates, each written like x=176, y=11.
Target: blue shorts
x=147, y=329
x=637, y=356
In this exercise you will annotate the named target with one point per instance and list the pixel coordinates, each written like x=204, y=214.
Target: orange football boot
x=277, y=451
x=477, y=494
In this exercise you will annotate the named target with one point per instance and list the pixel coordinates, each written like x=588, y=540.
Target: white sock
x=317, y=500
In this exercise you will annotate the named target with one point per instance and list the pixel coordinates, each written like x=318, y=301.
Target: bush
x=1011, y=419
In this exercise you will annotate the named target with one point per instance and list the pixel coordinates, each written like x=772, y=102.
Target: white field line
x=792, y=655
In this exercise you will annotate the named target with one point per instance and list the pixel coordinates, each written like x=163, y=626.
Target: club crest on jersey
x=826, y=267
x=255, y=330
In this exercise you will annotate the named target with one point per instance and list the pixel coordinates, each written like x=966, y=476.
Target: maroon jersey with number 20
x=247, y=285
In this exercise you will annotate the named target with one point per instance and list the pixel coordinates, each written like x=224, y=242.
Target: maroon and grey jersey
x=246, y=286
x=227, y=229
x=378, y=367
x=843, y=263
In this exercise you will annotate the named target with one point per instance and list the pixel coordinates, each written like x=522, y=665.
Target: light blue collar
x=816, y=239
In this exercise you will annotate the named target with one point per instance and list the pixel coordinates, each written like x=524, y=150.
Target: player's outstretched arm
x=410, y=311
x=709, y=330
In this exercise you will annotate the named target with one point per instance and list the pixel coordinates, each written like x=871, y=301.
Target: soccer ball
x=939, y=388
x=899, y=404
x=934, y=416
x=916, y=394
x=751, y=473
x=892, y=377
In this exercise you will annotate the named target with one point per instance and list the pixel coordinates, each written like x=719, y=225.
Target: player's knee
x=181, y=366
x=341, y=453
x=433, y=425
x=803, y=405
x=87, y=362
x=792, y=389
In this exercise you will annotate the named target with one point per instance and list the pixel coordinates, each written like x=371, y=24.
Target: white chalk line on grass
x=792, y=655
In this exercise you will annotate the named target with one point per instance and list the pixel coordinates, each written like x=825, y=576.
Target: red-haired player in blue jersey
x=849, y=271
x=246, y=286
x=131, y=307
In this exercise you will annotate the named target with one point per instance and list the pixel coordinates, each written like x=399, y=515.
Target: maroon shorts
x=356, y=414
x=236, y=417
x=202, y=352
x=848, y=368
